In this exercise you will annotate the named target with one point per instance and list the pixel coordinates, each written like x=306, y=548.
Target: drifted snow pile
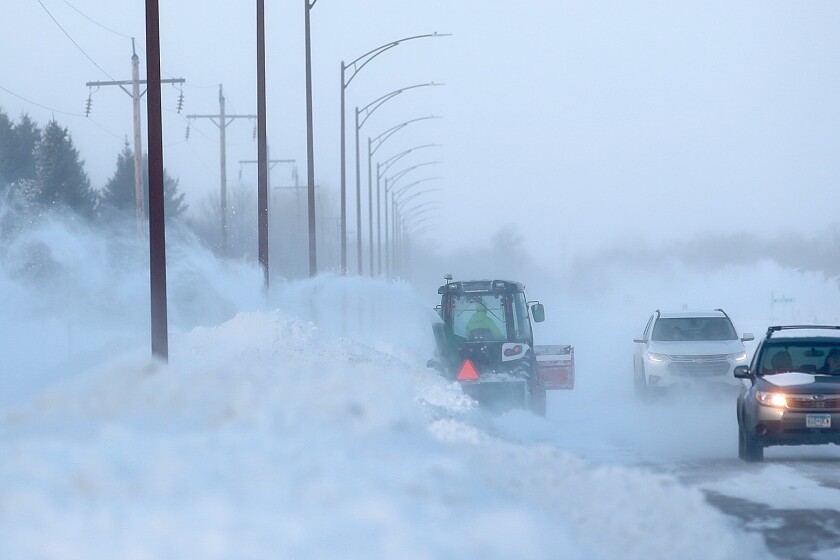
x=289, y=432
x=263, y=438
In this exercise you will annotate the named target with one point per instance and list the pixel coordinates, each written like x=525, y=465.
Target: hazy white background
x=582, y=124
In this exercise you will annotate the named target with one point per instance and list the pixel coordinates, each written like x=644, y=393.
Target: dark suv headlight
x=768, y=398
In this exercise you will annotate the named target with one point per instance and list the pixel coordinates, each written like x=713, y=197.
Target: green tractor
x=485, y=341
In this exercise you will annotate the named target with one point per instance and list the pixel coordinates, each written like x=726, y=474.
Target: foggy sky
x=580, y=124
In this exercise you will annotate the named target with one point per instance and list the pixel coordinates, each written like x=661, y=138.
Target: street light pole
x=356, y=66
x=374, y=144
x=398, y=206
x=390, y=188
x=362, y=115
x=310, y=157
x=393, y=181
x=381, y=169
x=262, y=148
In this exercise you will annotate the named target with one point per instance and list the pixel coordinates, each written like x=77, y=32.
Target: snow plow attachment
x=556, y=366
x=498, y=396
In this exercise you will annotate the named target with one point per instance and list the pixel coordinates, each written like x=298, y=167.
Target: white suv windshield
x=693, y=328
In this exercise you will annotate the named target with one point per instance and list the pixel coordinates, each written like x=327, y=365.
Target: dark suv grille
x=813, y=402
x=699, y=366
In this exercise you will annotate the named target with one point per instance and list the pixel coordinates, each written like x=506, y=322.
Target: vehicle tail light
x=467, y=372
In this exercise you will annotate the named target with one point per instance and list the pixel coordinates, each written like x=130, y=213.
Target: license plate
x=818, y=421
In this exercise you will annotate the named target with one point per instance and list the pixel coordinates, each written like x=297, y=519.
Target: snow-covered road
x=792, y=500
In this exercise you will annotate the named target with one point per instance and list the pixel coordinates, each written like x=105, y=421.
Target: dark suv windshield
x=693, y=329
x=809, y=356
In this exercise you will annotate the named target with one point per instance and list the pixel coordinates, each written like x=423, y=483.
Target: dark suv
x=794, y=393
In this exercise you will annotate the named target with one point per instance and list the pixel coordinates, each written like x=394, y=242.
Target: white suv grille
x=699, y=366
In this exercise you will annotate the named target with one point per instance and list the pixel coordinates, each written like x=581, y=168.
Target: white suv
x=688, y=349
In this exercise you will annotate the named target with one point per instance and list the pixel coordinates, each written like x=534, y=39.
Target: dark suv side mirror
x=538, y=312
x=742, y=372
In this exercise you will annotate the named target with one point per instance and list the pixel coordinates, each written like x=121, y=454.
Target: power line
x=81, y=50
x=93, y=21
x=22, y=98
x=106, y=28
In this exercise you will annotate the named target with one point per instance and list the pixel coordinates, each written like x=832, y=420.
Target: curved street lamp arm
x=420, y=222
x=363, y=60
x=428, y=205
x=415, y=183
x=376, y=103
x=388, y=163
x=400, y=174
x=379, y=140
x=420, y=231
x=401, y=203
x=412, y=219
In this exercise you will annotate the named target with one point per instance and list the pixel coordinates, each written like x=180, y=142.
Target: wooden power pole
x=135, y=95
x=222, y=120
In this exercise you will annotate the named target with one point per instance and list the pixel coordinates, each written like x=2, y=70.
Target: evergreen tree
x=119, y=190
x=59, y=173
x=173, y=202
x=25, y=137
x=6, y=139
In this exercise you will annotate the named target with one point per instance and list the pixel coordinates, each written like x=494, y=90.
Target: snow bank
x=264, y=436
x=301, y=425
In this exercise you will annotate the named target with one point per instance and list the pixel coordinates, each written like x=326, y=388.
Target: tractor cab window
x=521, y=323
x=479, y=317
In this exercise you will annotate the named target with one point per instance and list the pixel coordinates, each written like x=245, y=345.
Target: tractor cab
x=489, y=320
x=485, y=341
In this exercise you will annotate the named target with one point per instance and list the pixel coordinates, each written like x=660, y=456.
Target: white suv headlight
x=654, y=357
x=738, y=356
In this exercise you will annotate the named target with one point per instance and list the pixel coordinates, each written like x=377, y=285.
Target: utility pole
x=138, y=149
x=271, y=164
x=310, y=157
x=222, y=120
x=297, y=187
x=157, y=224
x=263, y=224
x=262, y=147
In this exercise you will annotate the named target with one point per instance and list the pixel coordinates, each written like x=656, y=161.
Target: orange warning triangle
x=468, y=372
